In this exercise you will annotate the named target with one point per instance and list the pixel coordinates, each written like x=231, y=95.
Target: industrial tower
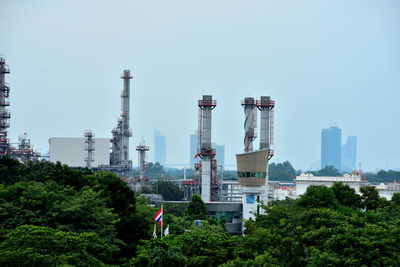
x=4, y=103
x=250, y=123
x=205, y=152
x=119, y=158
x=252, y=166
x=89, y=141
x=142, y=148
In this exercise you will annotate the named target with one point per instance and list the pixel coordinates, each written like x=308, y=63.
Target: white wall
x=71, y=151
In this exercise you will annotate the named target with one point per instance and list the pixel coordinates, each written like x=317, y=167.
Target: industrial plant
x=240, y=199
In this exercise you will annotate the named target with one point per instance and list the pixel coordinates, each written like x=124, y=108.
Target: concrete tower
x=206, y=153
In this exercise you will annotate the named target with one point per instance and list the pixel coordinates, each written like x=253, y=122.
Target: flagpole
x=162, y=212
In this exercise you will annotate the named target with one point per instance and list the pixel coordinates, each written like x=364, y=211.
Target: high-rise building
x=193, y=149
x=331, y=146
x=219, y=153
x=219, y=149
x=349, y=154
x=159, y=148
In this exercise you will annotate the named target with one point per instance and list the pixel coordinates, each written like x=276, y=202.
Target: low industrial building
x=73, y=151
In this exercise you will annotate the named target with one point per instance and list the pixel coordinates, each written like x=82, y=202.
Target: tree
x=396, y=199
x=370, y=197
x=30, y=245
x=281, y=171
x=318, y=196
x=196, y=209
x=327, y=171
x=169, y=190
x=155, y=170
x=346, y=195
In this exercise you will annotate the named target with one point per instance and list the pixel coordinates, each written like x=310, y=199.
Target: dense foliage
x=326, y=226
x=52, y=215
x=281, y=171
x=169, y=190
x=58, y=198
x=383, y=176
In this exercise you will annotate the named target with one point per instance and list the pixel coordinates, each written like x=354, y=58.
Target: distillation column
x=126, y=131
x=4, y=103
x=89, y=141
x=250, y=123
x=206, y=153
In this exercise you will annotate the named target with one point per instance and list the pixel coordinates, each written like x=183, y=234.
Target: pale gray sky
x=324, y=62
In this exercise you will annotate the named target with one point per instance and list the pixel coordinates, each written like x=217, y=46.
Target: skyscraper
x=349, y=154
x=219, y=150
x=193, y=149
x=159, y=148
x=331, y=146
x=219, y=153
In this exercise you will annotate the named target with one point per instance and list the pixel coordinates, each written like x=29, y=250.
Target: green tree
x=29, y=245
x=346, y=195
x=281, y=171
x=318, y=196
x=327, y=171
x=370, y=197
x=396, y=199
x=196, y=209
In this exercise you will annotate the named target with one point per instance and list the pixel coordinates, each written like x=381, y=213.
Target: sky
x=324, y=63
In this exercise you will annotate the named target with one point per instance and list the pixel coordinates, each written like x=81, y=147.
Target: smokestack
x=206, y=105
x=250, y=123
x=265, y=105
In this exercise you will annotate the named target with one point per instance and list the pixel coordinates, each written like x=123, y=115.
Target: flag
x=166, y=232
x=196, y=155
x=158, y=217
x=154, y=232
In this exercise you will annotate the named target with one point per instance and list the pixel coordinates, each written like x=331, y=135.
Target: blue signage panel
x=250, y=199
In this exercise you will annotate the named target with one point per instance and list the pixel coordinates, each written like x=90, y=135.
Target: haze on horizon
x=324, y=63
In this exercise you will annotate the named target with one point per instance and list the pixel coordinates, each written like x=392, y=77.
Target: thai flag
x=158, y=217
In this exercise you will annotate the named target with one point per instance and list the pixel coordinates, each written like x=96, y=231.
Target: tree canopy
x=53, y=215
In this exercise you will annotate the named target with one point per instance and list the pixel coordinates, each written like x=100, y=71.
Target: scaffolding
x=89, y=147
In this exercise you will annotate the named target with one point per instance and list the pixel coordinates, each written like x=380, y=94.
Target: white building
x=387, y=190
x=71, y=151
x=303, y=181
